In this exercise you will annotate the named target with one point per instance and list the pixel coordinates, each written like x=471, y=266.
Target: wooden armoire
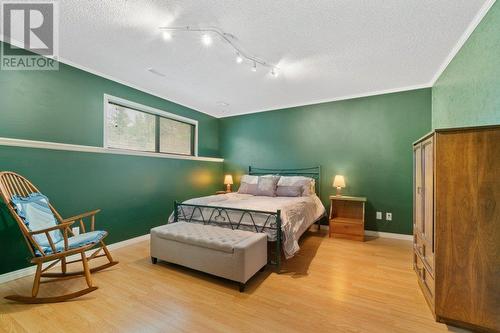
x=456, y=223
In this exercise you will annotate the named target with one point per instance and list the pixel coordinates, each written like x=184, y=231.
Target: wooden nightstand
x=347, y=217
x=221, y=192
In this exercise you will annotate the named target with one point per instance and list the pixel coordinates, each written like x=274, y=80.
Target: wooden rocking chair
x=50, y=242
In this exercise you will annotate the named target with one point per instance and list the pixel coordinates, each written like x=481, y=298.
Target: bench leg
x=242, y=287
x=154, y=260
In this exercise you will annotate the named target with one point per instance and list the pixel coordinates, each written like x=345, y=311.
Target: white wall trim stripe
x=93, y=149
x=463, y=39
x=31, y=269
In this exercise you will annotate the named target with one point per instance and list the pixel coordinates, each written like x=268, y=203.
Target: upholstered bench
x=232, y=254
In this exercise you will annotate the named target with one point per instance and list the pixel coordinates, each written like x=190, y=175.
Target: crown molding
x=337, y=99
x=463, y=39
x=110, y=77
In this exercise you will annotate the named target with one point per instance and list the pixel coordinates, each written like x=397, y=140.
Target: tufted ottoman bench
x=232, y=254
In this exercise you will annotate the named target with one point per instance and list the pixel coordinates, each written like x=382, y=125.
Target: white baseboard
x=130, y=241
x=388, y=235
x=381, y=234
x=31, y=269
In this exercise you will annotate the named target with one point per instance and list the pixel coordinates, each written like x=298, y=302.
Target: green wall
x=67, y=106
x=468, y=91
x=366, y=139
x=134, y=193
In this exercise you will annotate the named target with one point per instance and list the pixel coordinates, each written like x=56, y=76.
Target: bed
x=283, y=219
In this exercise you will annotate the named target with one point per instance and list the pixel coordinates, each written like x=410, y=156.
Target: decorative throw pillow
x=36, y=214
x=248, y=184
x=307, y=184
x=246, y=188
x=289, y=191
x=249, y=179
x=267, y=186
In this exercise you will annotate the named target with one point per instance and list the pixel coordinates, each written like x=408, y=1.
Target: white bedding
x=297, y=213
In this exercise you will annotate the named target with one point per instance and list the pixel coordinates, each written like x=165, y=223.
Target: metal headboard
x=312, y=172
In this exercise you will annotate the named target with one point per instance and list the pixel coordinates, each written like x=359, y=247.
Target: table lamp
x=339, y=182
x=228, y=181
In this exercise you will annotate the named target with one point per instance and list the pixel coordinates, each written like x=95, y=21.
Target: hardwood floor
x=333, y=285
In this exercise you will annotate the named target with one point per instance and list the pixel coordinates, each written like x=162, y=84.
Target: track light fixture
x=207, y=40
x=239, y=59
x=167, y=35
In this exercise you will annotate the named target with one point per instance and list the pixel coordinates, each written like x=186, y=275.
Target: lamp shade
x=228, y=180
x=339, y=181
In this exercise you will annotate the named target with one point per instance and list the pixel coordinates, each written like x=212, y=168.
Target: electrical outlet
x=75, y=230
x=379, y=215
x=388, y=216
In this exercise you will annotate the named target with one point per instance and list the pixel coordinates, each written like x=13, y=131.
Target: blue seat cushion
x=74, y=242
x=36, y=214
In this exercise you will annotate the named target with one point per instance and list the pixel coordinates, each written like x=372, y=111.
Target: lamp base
x=338, y=192
x=228, y=188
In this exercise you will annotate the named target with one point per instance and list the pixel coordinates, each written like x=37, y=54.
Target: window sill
x=93, y=149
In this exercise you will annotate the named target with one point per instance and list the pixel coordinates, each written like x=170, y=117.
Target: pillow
x=246, y=188
x=249, y=179
x=36, y=214
x=289, y=191
x=267, y=186
x=307, y=183
x=248, y=184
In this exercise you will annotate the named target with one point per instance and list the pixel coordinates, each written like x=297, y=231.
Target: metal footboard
x=235, y=219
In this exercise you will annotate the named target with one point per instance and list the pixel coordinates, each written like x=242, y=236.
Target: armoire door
x=428, y=200
x=418, y=223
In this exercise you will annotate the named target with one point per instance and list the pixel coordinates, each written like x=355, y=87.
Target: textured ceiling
x=325, y=50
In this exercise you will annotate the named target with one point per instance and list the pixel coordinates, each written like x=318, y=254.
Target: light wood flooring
x=332, y=285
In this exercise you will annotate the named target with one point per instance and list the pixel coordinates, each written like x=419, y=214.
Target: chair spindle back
x=12, y=184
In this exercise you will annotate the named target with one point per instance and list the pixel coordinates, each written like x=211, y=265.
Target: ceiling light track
x=229, y=39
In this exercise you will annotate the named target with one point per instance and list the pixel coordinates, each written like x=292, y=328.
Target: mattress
x=297, y=213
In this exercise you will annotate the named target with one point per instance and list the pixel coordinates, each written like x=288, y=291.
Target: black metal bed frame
x=312, y=172
x=221, y=216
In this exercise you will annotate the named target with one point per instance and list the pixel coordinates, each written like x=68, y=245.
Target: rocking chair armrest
x=61, y=226
x=81, y=216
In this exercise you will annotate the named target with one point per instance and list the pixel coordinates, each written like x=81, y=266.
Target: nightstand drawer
x=346, y=228
x=347, y=217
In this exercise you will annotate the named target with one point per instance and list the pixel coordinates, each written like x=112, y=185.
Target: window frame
x=146, y=109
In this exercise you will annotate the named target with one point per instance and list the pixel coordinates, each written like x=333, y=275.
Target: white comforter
x=297, y=213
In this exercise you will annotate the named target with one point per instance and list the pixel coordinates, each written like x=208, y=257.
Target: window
x=136, y=127
x=175, y=137
x=130, y=129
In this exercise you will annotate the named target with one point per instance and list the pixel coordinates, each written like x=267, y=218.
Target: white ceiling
x=326, y=50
